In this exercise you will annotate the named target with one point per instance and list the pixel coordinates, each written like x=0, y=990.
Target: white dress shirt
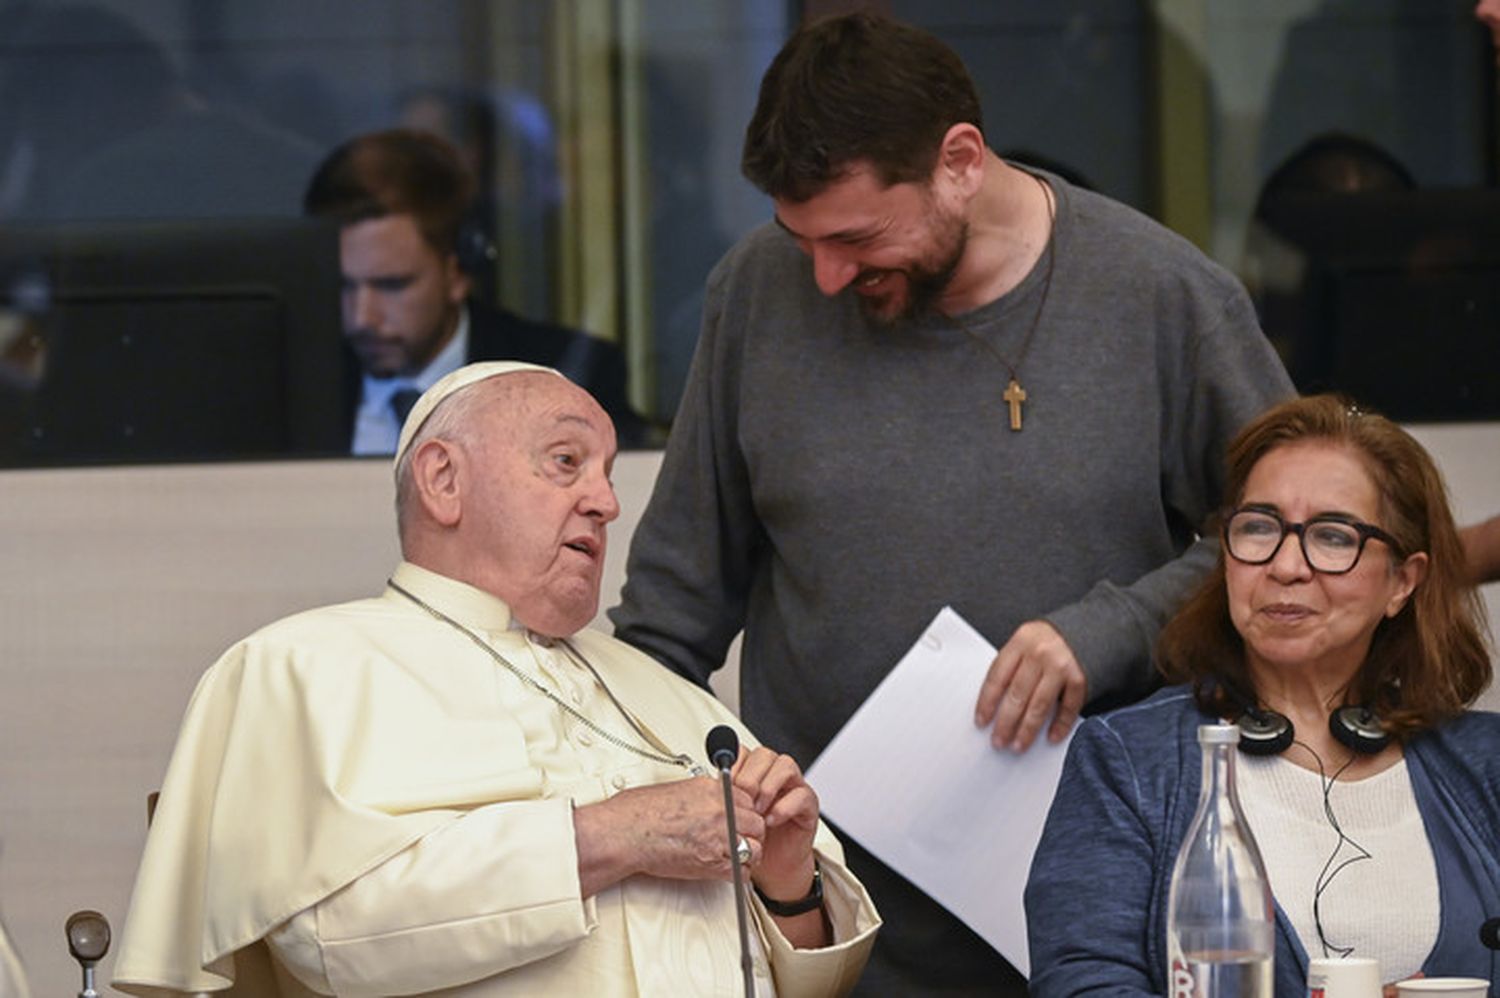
x=376, y=428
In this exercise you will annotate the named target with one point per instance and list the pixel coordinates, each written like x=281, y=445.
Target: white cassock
x=364, y=802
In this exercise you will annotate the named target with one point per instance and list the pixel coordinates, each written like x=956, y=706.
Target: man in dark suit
x=402, y=199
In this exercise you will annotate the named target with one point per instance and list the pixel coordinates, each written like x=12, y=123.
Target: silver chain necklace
x=681, y=760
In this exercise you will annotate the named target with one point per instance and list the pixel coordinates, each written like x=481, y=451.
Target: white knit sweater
x=1386, y=906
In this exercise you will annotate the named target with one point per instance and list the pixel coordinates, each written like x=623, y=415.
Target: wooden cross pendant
x=1014, y=396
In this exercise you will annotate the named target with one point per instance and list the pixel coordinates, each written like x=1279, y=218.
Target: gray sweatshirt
x=830, y=483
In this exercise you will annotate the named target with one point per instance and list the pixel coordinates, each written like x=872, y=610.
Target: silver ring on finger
x=742, y=850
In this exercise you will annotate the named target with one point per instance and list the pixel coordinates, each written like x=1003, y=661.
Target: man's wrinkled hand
x=676, y=830
x=1034, y=676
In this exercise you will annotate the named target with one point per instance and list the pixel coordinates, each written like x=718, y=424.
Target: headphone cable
x=1329, y=871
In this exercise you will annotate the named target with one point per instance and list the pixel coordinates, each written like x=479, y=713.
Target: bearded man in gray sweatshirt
x=937, y=379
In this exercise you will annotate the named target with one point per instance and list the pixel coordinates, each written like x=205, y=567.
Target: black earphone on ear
x=1265, y=732
x=475, y=250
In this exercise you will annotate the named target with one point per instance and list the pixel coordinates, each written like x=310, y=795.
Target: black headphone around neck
x=1265, y=732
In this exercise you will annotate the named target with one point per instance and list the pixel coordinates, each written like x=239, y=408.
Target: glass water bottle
x=1221, y=927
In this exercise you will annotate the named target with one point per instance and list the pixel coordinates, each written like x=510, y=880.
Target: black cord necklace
x=1014, y=393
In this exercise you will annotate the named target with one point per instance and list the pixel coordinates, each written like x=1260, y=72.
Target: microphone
x=88, y=941
x=1489, y=933
x=723, y=748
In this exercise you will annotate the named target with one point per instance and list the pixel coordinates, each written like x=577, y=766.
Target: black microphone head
x=1489, y=933
x=722, y=746
x=88, y=936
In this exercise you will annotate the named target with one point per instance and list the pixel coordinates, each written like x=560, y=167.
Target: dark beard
x=924, y=285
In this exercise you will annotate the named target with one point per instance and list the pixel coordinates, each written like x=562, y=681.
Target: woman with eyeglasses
x=1339, y=633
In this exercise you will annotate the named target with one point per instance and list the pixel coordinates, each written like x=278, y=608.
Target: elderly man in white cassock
x=455, y=787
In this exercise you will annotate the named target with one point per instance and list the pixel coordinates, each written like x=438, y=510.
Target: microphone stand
x=746, y=965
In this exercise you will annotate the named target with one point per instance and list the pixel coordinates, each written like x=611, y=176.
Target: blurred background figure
x=508, y=140
x=142, y=145
x=1482, y=548
x=1482, y=540
x=1276, y=264
x=1340, y=633
x=1488, y=12
x=54, y=114
x=466, y=119
x=403, y=200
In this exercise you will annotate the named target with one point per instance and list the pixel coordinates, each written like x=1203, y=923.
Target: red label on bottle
x=1182, y=981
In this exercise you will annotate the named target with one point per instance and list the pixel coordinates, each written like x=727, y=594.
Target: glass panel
x=622, y=120
x=1063, y=82
x=1353, y=141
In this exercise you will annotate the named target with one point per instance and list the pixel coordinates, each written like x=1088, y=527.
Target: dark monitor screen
x=170, y=341
x=1399, y=305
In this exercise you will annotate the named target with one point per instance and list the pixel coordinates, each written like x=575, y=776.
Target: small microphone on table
x=88, y=941
x=723, y=748
x=1489, y=934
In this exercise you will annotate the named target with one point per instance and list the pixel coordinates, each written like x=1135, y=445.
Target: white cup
x=1349, y=977
x=1450, y=987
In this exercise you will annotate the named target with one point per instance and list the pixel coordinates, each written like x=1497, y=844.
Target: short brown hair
x=1426, y=663
x=850, y=89
x=398, y=171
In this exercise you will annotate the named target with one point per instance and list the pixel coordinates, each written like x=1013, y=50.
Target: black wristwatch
x=813, y=898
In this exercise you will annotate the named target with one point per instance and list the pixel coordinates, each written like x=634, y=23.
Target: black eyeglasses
x=1331, y=544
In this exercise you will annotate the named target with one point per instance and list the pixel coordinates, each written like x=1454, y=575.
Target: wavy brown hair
x=397, y=171
x=1426, y=663
x=856, y=88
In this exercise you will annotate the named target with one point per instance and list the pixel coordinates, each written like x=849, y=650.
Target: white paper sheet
x=917, y=784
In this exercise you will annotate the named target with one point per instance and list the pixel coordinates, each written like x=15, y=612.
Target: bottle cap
x=1218, y=734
